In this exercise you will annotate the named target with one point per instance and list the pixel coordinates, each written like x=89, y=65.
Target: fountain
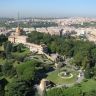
x=65, y=74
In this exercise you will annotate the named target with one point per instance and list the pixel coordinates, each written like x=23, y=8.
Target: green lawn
x=76, y=90
x=53, y=76
x=84, y=86
x=89, y=85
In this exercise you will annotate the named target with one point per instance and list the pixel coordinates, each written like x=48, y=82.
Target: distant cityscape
x=73, y=26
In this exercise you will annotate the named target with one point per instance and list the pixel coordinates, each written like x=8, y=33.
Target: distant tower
x=18, y=30
x=18, y=20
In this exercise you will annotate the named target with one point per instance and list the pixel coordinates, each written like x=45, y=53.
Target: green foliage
x=8, y=69
x=83, y=52
x=94, y=69
x=43, y=24
x=7, y=47
x=19, y=88
x=26, y=71
x=3, y=83
x=69, y=47
x=2, y=54
x=34, y=24
x=70, y=92
x=10, y=47
x=19, y=47
x=88, y=72
x=93, y=54
x=3, y=39
x=14, y=67
x=54, y=43
x=64, y=92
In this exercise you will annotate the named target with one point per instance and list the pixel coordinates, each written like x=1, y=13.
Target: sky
x=47, y=8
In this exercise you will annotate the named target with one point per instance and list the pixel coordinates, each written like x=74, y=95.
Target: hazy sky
x=48, y=8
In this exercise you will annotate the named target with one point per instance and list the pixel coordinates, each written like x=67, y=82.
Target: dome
x=18, y=31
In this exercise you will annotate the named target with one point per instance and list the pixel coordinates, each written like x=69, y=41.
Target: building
x=16, y=37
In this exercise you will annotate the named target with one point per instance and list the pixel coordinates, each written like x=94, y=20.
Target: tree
x=85, y=61
x=53, y=46
x=19, y=88
x=8, y=49
x=19, y=47
x=3, y=83
x=3, y=39
x=14, y=48
x=93, y=54
x=78, y=59
x=26, y=71
x=88, y=72
x=8, y=69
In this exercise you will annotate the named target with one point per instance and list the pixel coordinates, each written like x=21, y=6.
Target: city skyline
x=48, y=8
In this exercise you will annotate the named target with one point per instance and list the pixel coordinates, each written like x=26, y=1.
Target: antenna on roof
x=18, y=20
